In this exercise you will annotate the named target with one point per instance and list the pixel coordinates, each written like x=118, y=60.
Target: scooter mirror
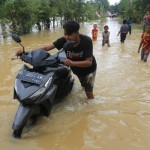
x=16, y=38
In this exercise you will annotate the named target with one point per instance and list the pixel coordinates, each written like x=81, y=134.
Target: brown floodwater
x=118, y=117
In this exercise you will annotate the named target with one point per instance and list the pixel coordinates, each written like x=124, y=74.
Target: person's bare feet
x=89, y=95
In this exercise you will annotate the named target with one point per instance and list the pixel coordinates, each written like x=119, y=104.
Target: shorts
x=123, y=37
x=105, y=42
x=88, y=81
x=144, y=54
x=94, y=38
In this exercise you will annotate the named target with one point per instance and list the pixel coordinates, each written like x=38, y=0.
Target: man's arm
x=118, y=32
x=49, y=47
x=140, y=46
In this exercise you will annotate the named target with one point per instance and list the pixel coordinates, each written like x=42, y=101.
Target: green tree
x=114, y=9
x=134, y=9
x=21, y=18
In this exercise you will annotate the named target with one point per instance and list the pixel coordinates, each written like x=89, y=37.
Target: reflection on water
x=118, y=117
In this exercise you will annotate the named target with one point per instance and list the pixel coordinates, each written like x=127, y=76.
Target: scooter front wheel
x=17, y=133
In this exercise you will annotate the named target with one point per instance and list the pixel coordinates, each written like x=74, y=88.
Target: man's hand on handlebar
x=19, y=53
x=68, y=62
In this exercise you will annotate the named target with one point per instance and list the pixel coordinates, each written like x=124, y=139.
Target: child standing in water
x=123, y=31
x=105, y=36
x=145, y=44
x=94, y=32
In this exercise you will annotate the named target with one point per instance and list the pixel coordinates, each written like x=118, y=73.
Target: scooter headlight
x=41, y=90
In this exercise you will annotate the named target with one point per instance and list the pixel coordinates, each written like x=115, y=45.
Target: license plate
x=31, y=77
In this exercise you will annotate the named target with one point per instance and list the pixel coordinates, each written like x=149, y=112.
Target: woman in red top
x=145, y=44
x=94, y=32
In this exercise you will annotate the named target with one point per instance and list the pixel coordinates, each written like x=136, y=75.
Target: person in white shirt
x=105, y=36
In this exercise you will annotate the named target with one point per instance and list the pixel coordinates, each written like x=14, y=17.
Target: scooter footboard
x=23, y=114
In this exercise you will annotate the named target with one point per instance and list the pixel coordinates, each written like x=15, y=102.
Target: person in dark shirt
x=79, y=57
x=129, y=23
x=123, y=31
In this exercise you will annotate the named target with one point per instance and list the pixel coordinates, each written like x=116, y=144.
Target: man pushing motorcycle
x=79, y=57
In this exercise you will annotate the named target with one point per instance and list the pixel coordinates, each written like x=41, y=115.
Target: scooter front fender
x=23, y=114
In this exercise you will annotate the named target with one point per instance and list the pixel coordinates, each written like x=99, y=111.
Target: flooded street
x=118, y=117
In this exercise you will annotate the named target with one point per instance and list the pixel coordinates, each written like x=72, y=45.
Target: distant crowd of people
x=126, y=28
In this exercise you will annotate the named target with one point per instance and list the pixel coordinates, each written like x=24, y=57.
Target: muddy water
x=118, y=117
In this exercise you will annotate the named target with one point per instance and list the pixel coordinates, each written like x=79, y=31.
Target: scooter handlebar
x=62, y=54
x=68, y=45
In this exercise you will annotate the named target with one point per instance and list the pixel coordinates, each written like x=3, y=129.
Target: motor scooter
x=40, y=85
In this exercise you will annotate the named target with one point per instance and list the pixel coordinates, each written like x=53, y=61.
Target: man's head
x=95, y=26
x=106, y=28
x=71, y=30
x=124, y=21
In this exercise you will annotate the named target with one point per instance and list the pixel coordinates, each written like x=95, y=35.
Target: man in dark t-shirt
x=123, y=31
x=79, y=57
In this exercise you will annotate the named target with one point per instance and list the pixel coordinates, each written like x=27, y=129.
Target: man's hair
x=106, y=26
x=95, y=25
x=124, y=21
x=71, y=27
